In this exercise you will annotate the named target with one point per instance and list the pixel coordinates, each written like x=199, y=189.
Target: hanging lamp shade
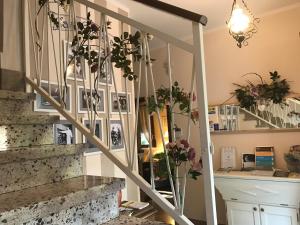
x=242, y=23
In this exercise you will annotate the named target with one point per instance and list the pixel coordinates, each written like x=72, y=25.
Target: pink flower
x=185, y=143
x=197, y=166
x=191, y=154
x=195, y=115
x=179, y=145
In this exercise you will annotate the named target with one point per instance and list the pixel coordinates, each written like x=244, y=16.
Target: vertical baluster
x=33, y=43
x=137, y=111
x=127, y=110
x=108, y=72
x=147, y=61
x=54, y=55
x=75, y=75
x=42, y=44
x=116, y=93
x=62, y=94
x=188, y=134
x=171, y=97
x=160, y=126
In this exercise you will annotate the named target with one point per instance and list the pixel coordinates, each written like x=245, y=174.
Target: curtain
x=143, y=117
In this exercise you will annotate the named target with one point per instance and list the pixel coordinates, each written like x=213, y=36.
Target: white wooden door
x=271, y=215
x=242, y=213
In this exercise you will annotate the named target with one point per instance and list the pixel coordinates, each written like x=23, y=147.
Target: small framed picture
x=116, y=135
x=103, y=75
x=98, y=132
x=77, y=67
x=64, y=133
x=84, y=100
x=42, y=105
x=124, y=105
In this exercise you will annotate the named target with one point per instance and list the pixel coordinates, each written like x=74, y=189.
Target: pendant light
x=242, y=23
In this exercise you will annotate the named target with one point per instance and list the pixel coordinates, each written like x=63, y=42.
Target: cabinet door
x=271, y=215
x=242, y=214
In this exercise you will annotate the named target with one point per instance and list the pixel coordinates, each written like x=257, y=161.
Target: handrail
x=168, y=38
x=175, y=10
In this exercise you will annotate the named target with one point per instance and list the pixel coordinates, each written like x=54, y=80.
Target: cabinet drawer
x=259, y=191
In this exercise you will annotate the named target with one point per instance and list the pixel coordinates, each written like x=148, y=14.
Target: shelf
x=287, y=130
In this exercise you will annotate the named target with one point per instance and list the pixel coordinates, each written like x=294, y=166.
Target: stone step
x=133, y=221
x=30, y=119
x=12, y=136
x=23, y=154
x=16, y=95
x=28, y=167
x=16, y=103
x=78, y=201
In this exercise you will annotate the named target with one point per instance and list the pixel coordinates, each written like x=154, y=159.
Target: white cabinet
x=251, y=214
x=271, y=215
x=242, y=214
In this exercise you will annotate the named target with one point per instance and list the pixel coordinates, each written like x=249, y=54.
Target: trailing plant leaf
x=124, y=46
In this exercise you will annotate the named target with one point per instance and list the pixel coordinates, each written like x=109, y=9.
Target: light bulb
x=239, y=21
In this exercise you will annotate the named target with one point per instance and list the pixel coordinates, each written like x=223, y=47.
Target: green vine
x=123, y=47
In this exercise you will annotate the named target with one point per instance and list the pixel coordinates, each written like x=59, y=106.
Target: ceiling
x=217, y=12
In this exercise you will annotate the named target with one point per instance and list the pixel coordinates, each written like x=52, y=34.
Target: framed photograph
x=124, y=105
x=103, y=76
x=84, y=100
x=116, y=136
x=75, y=68
x=64, y=133
x=98, y=132
x=42, y=105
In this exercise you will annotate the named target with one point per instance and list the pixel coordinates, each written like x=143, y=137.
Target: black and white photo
x=98, y=132
x=73, y=66
x=86, y=101
x=64, y=133
x=124, y=105
x=116, y=135
x=42, y=105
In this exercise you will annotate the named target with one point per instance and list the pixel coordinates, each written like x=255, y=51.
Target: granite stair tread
x=29, y=119
x=44, y=200
x=16, y=95
x=22, y=154
x=123, y=219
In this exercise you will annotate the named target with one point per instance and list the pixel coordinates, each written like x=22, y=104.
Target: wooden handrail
x=175, y=10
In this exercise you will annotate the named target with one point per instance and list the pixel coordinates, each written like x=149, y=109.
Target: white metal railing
x=277, y=115
x=47, y=59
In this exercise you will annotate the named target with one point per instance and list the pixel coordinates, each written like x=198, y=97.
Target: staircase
x=43, y=183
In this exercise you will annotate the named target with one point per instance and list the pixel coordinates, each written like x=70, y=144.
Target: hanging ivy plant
x=252, y=94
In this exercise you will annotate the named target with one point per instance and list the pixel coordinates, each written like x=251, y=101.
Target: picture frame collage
x=109, y=131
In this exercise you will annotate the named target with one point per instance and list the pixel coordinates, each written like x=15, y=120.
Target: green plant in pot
x=263, y=93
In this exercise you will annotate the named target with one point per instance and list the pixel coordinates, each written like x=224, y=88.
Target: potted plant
x=263, y=93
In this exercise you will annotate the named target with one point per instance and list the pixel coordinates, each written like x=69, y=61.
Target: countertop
x=257, y=175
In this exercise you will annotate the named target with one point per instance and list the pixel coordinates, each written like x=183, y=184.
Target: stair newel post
x=206, y=145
